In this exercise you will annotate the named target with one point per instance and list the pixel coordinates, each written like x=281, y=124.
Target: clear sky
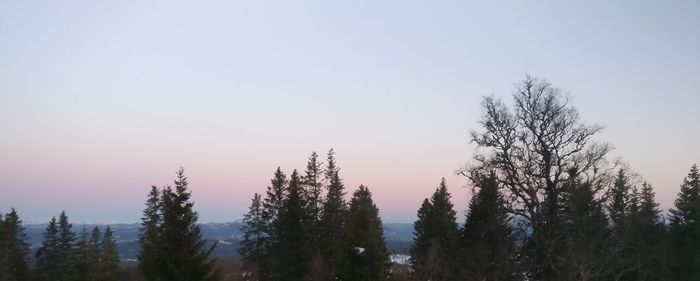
x=101, y=99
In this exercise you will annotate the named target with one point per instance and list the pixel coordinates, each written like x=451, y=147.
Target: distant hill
x=398, y=236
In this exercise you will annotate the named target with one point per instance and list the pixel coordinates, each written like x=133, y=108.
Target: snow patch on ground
x=400, y=259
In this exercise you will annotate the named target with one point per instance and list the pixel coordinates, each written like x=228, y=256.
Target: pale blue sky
x=101, y=99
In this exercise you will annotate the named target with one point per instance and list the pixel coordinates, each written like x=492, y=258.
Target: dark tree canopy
x=489, y=252
x=535, y=147
x=291, y=250
x=253, y=248
x=333, y=216
x=368, y=258
x=684, y=255
x=172, y=243
x=434, y=254
x=13, y=248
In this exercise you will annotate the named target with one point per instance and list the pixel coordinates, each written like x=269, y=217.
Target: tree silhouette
x=368, y=258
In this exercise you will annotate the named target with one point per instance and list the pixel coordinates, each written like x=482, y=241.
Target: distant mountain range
x=398, y=236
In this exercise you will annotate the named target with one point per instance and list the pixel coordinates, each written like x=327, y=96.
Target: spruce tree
x=312, y=189
x=420, y=256
x=182, y=242
x=253, y=248
x=83, y=263
x=623, y=210
x=65, y=248
x=582, y=251
x=649, y=231
x=273, y=203
x=488, y=246
x=151, y=256
x=618, y=207
x=332, y=230
x=291, y=249
x=56, y=257
x=95, y=252
x=108, y=268
x=684, y=256
x=274, y=200
x=13, y=248
x=368, y=258
x=434, y=255
x=47, y=257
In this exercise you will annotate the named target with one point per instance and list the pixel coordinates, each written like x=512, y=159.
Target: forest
x=549, y=203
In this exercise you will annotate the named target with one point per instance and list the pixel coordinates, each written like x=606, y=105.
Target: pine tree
x=487, y=239
x=13, y=248
x=109, y=259
x=253, y=248
x=150, y=258
x=47, y=257
x=181, y=237
x=291, y=249
x=434, y=255
x=684, y=245
x=368, y=258
x=332, y=231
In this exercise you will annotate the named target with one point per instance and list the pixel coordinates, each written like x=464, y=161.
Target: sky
x=99, y=100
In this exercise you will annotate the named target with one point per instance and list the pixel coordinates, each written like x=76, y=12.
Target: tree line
x=62, y=255
x=303, y=229
x=547, y=204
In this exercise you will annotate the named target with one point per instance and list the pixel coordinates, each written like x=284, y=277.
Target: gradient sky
x=101, y=99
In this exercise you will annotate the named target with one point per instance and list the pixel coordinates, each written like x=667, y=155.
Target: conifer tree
x=647, y=231
x=623, y=211
x=253, y=248
x=181, y=237
x=84, y=265
x=684, y=245
x=332, y=235
x=65, y=248
x=291, y=249
x=368, y=258
x=274, y=200
x=56, y=256
x=47, y=257
x=582, y=249
x=619, y=204
x=312, y=189
x=422, y=259
x=273, y=203
x=109, y=269
x=150, y=258
x=13, y=248
x=95, y=252
x=488, y=245
x=434, y=255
